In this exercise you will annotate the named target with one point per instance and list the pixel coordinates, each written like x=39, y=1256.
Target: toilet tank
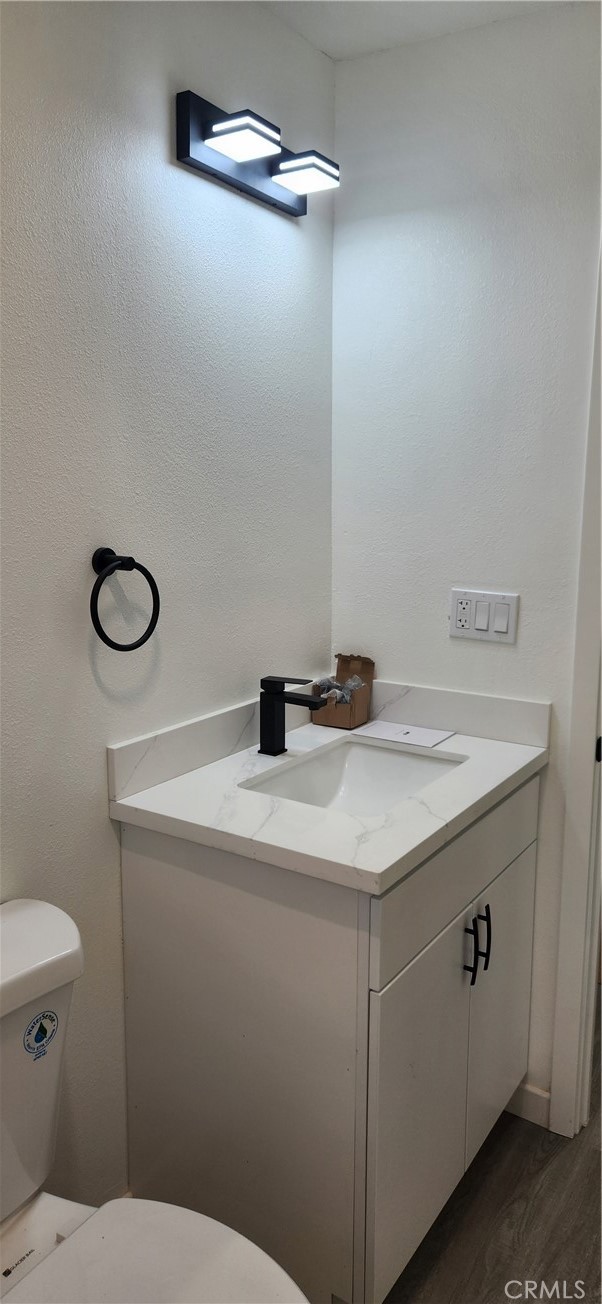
x=40, y=958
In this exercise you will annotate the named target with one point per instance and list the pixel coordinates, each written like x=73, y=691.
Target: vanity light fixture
x=244, y=150
x=244, y=137
x=306, y=173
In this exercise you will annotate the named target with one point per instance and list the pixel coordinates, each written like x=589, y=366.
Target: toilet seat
x=145, y=1252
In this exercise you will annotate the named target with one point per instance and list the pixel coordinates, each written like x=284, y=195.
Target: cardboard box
x=343, y=715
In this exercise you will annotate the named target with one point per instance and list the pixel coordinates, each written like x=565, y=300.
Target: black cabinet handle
x=486, y=954
x=473, y=968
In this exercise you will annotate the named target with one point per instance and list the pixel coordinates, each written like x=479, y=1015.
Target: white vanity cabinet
x=500, y=1001
x=416, y=1104
x=445, y=1055
x=311, y=1064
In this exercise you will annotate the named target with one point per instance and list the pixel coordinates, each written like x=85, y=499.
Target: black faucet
x=272, y=701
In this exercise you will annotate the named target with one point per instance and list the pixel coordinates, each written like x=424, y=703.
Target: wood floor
x=527, y=1209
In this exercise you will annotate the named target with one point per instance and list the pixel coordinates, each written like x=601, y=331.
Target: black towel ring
x=105, y=562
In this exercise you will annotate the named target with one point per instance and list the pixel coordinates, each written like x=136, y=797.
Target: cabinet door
x=500, y=1000
x=418, y=1053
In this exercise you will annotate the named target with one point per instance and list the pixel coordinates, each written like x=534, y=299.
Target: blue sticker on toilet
x=39, y=1033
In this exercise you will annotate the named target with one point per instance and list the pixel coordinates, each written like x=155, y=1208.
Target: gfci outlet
x=486, y=615
x=463, y=606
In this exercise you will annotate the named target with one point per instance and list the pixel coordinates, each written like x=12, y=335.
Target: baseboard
x=531, y=1103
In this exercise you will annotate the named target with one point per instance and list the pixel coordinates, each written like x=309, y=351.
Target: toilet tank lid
x=40, y=950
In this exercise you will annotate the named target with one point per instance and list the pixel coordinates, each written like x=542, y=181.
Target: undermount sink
x=354, y=775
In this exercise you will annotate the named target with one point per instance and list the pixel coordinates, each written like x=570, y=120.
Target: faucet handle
x=277, y=683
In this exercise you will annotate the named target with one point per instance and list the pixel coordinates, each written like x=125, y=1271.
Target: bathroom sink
x=354, y=775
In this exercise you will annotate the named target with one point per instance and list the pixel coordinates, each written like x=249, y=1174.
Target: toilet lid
x=144, y=1252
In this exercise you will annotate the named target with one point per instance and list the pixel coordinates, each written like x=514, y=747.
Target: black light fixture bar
x=194, y=119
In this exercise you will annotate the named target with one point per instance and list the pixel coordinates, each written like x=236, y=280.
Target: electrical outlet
x=463, y=606
x=490, y=617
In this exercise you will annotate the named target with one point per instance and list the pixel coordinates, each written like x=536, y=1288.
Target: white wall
x=466, y=247
x=167, y=393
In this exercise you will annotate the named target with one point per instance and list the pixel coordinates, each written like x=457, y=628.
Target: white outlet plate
x=485, y=622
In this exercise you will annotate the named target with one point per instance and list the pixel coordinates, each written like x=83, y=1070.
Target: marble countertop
x=369, y=853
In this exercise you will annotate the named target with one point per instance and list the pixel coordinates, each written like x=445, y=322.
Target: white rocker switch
x=481, y=620
x=501, y=617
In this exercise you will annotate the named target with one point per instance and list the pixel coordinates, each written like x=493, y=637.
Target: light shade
x=306, y=173
x=244, y=136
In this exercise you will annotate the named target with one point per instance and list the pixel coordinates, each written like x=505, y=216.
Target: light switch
x=501, y=616
x=481, y=620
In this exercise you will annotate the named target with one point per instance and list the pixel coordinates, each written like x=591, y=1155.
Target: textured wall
x=166, y=392
x=466, y=248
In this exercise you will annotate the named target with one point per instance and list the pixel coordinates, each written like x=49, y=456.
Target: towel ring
x=105, y=562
